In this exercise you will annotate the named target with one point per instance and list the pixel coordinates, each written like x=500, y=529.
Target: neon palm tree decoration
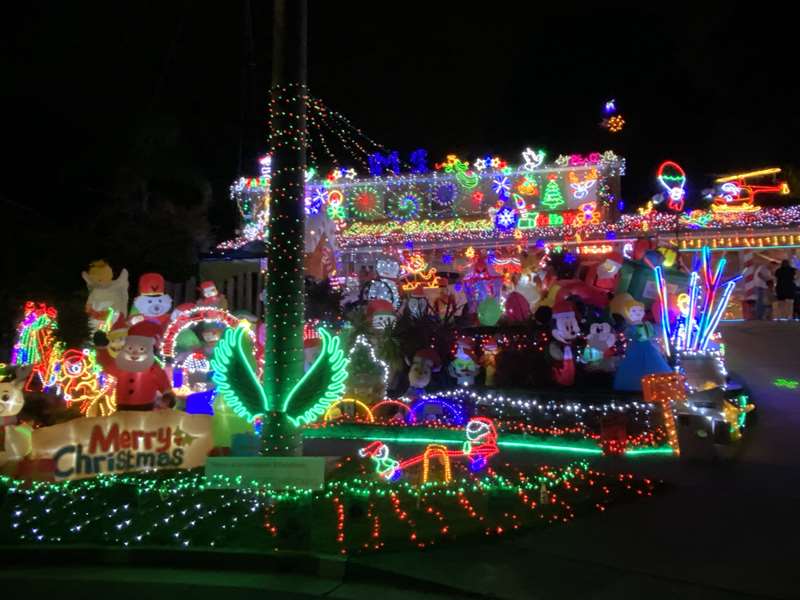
x=704, y=297
x=283, y=395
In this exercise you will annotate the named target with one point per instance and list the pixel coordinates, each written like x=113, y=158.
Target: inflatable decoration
x=210, y=318
x=565, y=330
x=381, y=313
x=599, y=352
x=517, y=308
x=152, y=304
x=15, y=440
x=642, y=356
x=384, y=286
x=139, y=377
x=108, y=297
x=489, y=312
x=527, y=286
x=605, y=274
x=424, y=364
x=117, y=335
x=489, y=361
x=464, y=368
x=210, y=296
x=418, y=304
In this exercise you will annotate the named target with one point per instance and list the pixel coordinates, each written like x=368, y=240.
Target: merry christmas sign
x=125, y=442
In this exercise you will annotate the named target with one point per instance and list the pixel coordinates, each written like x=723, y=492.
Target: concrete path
x=722, y=531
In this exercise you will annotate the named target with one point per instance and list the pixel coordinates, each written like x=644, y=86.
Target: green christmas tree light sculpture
x=552, y=197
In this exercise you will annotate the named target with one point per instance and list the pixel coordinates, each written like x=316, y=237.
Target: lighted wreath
x=196, y=315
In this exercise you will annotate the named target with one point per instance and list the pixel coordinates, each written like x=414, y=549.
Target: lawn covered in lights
x=355, y=512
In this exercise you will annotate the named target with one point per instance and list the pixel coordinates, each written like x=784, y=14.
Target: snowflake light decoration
x=506, y=219
x=502, y=186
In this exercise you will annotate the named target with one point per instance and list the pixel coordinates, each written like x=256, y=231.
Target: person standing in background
x=760, y=279
x=784, y=290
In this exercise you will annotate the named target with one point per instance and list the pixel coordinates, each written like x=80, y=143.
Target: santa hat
x=429, y=354
x=151, y=284
x=208, y=288
x=146, y=329
x=378, y=308
x=562, y=308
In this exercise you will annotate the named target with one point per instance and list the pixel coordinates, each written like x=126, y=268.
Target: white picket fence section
x=243, y=292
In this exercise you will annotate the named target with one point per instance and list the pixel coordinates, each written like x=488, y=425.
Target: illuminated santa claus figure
x=210, y=296
x=140, y=380
x=605, y=274
x=152, y=304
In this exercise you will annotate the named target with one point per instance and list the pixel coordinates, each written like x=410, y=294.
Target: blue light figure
x=419, y=161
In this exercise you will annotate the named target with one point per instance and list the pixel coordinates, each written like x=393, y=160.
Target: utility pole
x=284, y=305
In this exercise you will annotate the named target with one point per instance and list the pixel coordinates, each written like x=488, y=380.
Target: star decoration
x=480, y=164
x=350, y=173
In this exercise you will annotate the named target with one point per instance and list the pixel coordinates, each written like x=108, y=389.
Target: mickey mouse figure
x=565, y=330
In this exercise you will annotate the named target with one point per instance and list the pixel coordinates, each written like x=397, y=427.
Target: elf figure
x=385, y=465
x=152, y=304
x=139, y=377
x=464, y=367
x=481, y=442
x=565, y=330
x=117, y=335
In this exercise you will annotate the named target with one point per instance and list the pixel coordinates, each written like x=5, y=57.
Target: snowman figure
x=152, y=304
x=384, y=285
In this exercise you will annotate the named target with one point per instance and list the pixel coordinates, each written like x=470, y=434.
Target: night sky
x=715, y=92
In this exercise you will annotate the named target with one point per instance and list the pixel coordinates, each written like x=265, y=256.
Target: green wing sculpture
x=235, y=374
x=322, y=385
x=237, y=379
